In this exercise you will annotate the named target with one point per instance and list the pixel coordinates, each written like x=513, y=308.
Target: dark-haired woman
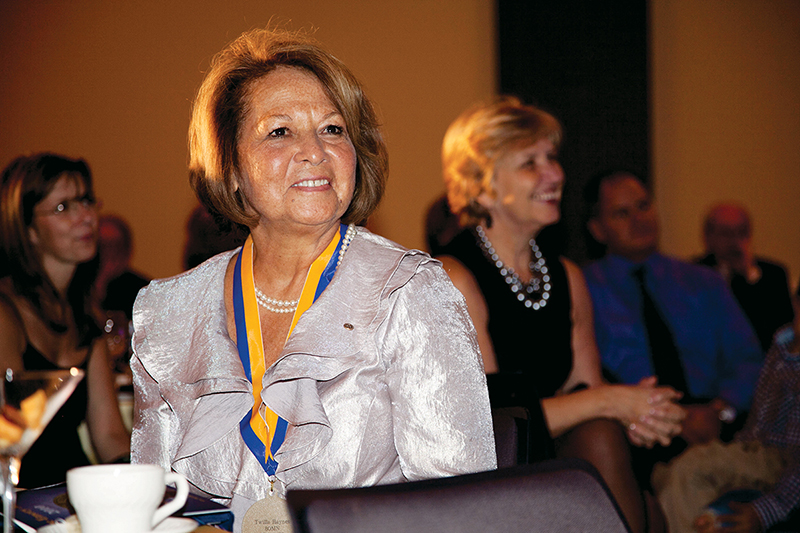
x=48, y=229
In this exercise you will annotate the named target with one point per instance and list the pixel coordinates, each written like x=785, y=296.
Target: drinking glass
x=28, y=401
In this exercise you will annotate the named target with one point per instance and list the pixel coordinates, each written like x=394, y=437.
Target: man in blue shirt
x=717, y=351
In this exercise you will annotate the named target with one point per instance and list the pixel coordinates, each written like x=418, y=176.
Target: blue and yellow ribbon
x=255, y=429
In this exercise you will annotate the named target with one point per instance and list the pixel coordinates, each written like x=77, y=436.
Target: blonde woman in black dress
x=532, y=311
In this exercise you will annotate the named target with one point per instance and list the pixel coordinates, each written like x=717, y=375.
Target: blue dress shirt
x=719, y=351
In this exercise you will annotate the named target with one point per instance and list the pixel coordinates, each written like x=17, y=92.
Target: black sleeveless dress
x=58, y=448
x=534, y=343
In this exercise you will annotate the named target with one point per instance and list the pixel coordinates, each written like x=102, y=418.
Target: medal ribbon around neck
x=254, y=427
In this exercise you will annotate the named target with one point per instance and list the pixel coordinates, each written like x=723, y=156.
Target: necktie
x=666, y=361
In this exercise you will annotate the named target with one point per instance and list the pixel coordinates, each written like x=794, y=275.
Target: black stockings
x=602, y=443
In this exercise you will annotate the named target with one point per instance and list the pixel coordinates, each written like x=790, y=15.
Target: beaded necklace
x=276, y=306
x=536, y=292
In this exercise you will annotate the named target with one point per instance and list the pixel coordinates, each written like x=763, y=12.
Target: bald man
x=761, y=287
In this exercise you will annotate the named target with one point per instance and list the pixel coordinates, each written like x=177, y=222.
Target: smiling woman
x=61, y=231
x=318, y=355
x=297, y=161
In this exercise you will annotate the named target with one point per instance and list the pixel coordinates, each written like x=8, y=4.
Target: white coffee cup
x=123, y=498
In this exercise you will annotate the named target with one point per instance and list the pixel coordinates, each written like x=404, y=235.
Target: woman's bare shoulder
x=8, y=302
x=12, y=329
x=579, y=291
x=574, y=272
x=460, y=275
x=7, y=287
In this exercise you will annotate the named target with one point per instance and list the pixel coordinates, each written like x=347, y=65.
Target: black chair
x=511, y=428
x=520, y=430
x=551, y=496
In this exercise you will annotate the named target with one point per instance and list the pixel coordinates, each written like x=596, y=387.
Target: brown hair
x=220, y=108
x=474, y=142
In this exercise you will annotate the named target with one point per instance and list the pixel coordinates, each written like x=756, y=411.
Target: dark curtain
x=586, y=63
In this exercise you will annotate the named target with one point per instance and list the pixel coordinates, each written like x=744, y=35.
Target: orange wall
x=726, y=119
x=113, y=82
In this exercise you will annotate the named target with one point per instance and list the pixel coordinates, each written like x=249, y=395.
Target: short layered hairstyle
x=221, y=107
x=477, y=139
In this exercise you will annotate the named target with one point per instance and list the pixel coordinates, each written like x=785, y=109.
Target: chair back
x=559, y=495
x=520, y=430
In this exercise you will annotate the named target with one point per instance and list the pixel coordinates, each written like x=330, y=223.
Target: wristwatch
x=727, y=414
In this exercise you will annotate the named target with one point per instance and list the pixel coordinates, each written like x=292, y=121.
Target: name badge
x=270, y=515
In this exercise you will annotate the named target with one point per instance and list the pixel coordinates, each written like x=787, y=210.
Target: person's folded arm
x=648, y=412
x=109, y=436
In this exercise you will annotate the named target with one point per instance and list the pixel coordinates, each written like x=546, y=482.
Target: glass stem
x=10, y=470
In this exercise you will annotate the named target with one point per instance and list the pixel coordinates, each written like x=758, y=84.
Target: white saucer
x=176, y=525
x=169, y=525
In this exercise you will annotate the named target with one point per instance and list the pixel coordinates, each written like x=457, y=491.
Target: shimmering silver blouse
x=381, y=381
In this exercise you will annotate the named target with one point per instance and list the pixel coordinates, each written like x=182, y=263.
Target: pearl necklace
x=276, y=306
x=534, y=293
x=348, y=238
x=288, y=306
